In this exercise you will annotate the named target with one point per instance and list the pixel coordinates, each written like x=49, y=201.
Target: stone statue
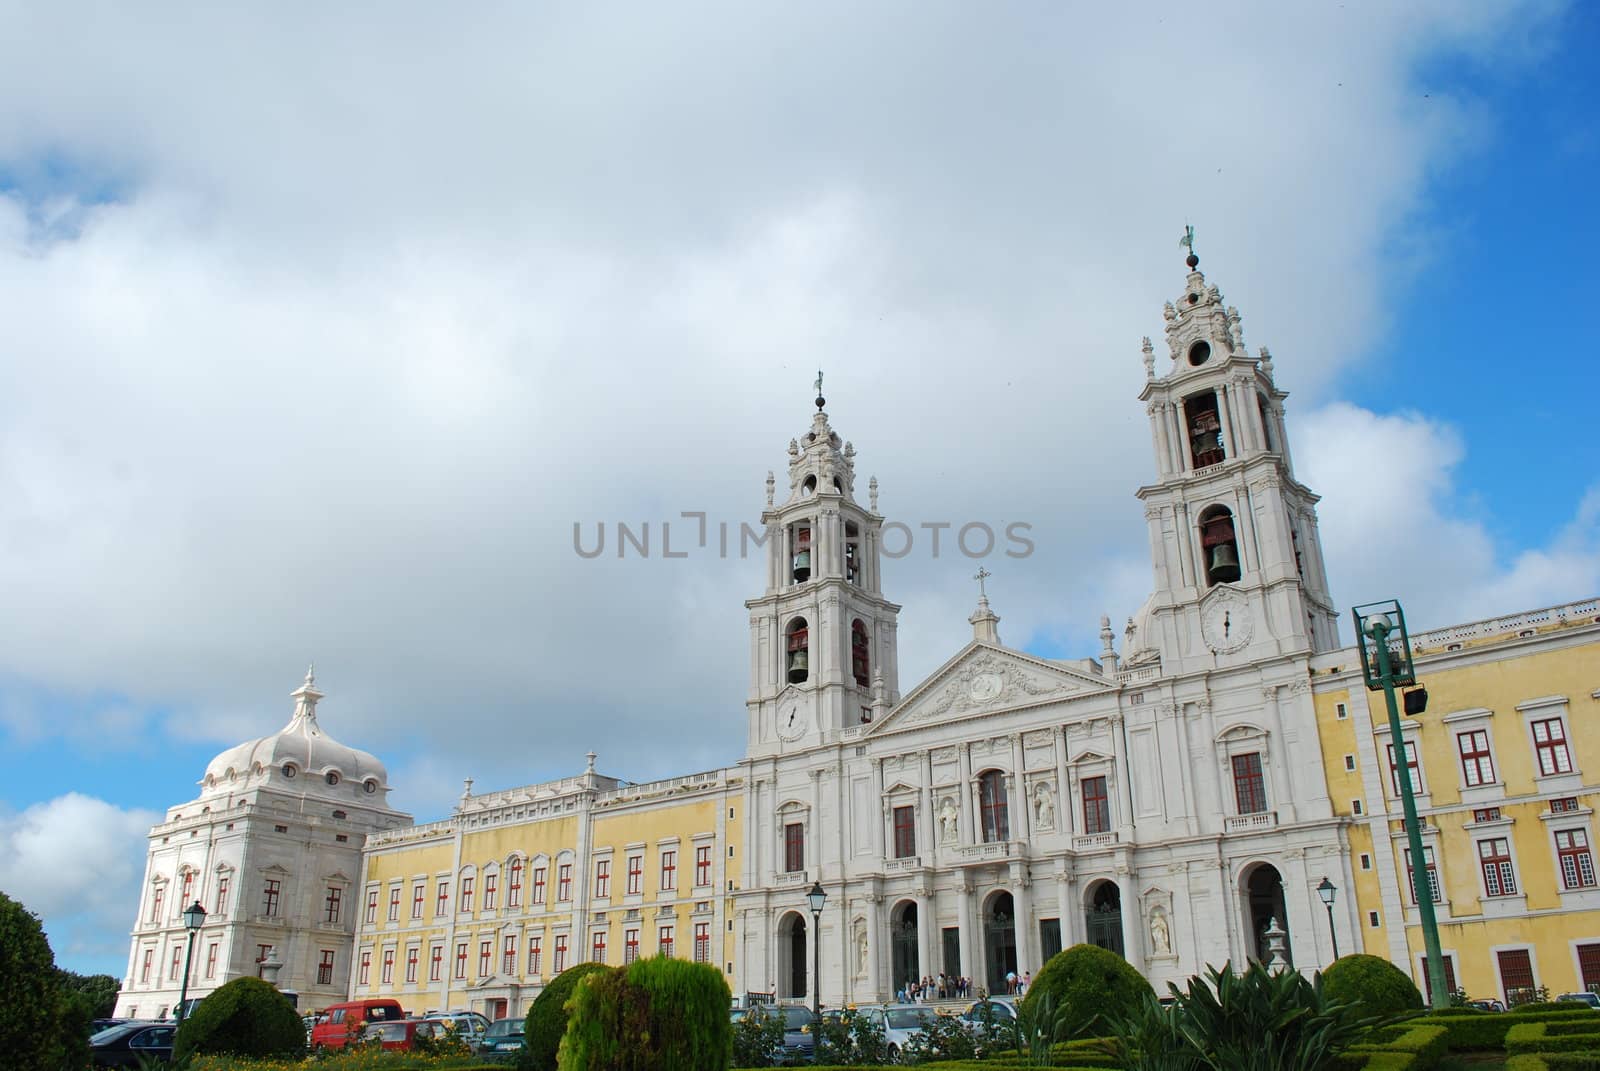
x=1044, y=807
x=861, y=950
x=1160, y=935
x=947, y=820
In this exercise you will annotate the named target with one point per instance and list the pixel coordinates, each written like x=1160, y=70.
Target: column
x=1022, y=818
x=1181, y=725
x=1027, y=928
x=965, y=925
x=1072, y=920
x=814, y=821
x=930, y=816
x=1158, y=439
x=1132, y=916
x=1063, y=799
x=1184, y=533
x=925, y=925
x=1229, y=440
x=1276, y=757
x=967, y=833
x=874, y=946
x=883, y=804
x=1119, y=749
x=1180, y=436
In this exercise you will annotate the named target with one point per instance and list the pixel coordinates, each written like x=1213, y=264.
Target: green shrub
x=547, y=1016
x=245, y=1017
x=1412, y=1046
x=688, y=1003
x=1553, y=1036
x=1087, y=983
x=30, y=991
x=758, y=1038
x=608, y=1025
x=1371, y=985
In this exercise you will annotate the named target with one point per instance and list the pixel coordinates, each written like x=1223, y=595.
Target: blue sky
x=327, y=368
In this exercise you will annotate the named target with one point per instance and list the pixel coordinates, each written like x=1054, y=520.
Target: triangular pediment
x=982, y=679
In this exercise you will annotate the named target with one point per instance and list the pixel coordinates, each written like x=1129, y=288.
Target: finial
x=872, y=493
x=311, y=673
x=1266, y=361
x=1149, y=359
x=770, y=484
x=980, y=576
x=1187, y=242
x=821, y=401
x=591, y=756
x=466, y=789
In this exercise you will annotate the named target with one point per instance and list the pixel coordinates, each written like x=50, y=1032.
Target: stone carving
x=1044, y=807
x=1160, y=935
x=982, y=681
x=861, y=948
x=948, y=820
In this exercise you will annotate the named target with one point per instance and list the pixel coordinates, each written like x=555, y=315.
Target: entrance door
x=1000, y=941
x=903, y=945
x=952, y=951
x=1049, y=938
x=1103, y=920
x=1264, y=890
x=797, y=957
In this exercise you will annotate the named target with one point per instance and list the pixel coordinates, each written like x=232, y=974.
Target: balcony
x=797, y=877
x=1250, y=823
x=999, y=849
x=1089, y=842
x=897, y=866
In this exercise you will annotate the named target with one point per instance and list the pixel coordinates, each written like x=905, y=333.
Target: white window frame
x=1544, y=709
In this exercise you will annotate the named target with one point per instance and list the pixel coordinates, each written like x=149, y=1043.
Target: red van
x=342, y=1022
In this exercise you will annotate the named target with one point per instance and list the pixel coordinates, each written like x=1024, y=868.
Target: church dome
x=299, y=757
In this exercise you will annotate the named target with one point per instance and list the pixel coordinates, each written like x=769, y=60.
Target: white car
x=469, y=1026
x=901, y=1023
x=1003, y=1010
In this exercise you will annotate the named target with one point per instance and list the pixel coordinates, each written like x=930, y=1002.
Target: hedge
x=1374, y=985
x=1089, y=982
x=1468, y=1030
x=1412, y=1047
x=1548, y=1037
x=245, y=1017
x=547, y=1016
x=1555, y=1061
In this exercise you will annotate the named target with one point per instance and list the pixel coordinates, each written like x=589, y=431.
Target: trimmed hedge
x=1372, y=984
x=1409, y=1047
x=1549, y=1037
x=547, y=1016
x=1089, y=983
x=244, y=1017
x=1470, y=1030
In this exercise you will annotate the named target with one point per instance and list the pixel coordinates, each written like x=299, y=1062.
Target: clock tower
x=1239, y=575
x=822, y=636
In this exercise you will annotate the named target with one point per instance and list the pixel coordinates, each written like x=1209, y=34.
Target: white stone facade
x=271, y=849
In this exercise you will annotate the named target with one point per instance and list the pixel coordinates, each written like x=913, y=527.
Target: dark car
x=503, y=1040
x=799, y=1041
x=125, y=1044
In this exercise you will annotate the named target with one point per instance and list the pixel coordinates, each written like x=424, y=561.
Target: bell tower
x=822, y=636
x=1239, y=573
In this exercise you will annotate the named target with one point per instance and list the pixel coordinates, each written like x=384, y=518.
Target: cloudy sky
x=320, y=328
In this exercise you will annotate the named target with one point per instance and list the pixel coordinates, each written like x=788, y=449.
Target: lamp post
x=817, y=897
x=1328, y=890
x=1384, y=668
x=194, y=916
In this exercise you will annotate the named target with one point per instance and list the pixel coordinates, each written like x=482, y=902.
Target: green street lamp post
x=1328, y=890
x=1384, y=667
x=817, y=897
x=194, y=916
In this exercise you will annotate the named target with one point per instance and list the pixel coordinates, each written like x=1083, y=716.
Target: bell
x=799, y=667
x=1224, y=563
x=802, y=565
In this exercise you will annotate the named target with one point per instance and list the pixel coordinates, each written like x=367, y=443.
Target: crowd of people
x=951, y=987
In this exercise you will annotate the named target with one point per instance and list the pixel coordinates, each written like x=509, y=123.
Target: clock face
x=1226, y=623
x=791, y=721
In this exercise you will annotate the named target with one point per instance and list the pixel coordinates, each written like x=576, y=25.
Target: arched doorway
x=1264, y=904
x=903, y=944
x=999, y=940
x=792, y=957
x=1103, y=918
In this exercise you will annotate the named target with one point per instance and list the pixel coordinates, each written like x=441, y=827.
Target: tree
x=547, y=1016
x=660, y=1014
x=98, y=990
x=30, y=991
x=245, y=1017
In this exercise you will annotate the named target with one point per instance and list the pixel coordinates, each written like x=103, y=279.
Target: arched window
x=799, y=659
x=1219, y=548
x=852, y=552
x=992, y=806
x=802, y=553
x=1205, y=429
x=860, y=654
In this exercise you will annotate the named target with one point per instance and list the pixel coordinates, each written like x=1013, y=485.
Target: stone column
x=874, y=946
x=1119, y=749
x=1276, y=756
x=967, y=833
x=964, y=923
x=1063, y=799
x=1022, y=824
x=883, y=805
x=930, y=816
x=1072, y=921
x=1027, y=929
x=1230, y=442
x=926, y=922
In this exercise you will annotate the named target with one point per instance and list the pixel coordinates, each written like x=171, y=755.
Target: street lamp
x=1328, y=890
x=194, y=917
x=1383, y=666
x=817, y=897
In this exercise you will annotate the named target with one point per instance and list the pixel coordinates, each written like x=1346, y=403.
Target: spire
x=985, y=622
x=305, y=698
x=1108, y=650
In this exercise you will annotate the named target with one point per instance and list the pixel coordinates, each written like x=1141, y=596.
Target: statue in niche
x=948, y=820
x=1044, y=807
x=861, y=949
x=1160, y=935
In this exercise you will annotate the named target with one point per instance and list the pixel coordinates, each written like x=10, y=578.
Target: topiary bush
x=660, y=1014
x=547, y=1017
x=1087, y=983
x=244, y=1017
x=1372, y=985
x=30, y=991
x=608, y=1025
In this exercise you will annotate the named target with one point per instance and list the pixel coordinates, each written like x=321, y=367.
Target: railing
x=999, y=849
x=1571, y=614
x=798, y=877
x=408, y=834
x=1244, y=823
x=1090, y=841
x=1142, y=673
x=689, y=782
x=910, y=862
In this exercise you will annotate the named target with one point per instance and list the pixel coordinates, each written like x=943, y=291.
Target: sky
x=322, y=327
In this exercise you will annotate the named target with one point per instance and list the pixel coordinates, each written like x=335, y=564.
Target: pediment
x=983, y=679
x=900, y=786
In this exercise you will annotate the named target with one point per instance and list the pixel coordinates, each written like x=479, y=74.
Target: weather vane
x=818, y=383
x=1187, y=241
x=980, y=576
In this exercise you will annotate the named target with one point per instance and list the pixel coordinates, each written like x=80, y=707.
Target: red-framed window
x=635, y=875
x=702, y=865
x=508, y=956
x=1486, y=814
x=535, y=955
x=419, y=893
x=157, y=898
x=461, y=959
x=1589, y=967
x=602, y=879
x=1577, y=864
x=794, y=847
x=1550, y=747
x=1494, y=857
x=860, y=654
x=435, y=963
x=144, y=968
x=1249, y=788
x=630, y=945
x=394, y=904
x=664, y=940
x=464, y=899
x=564, y=881
x=176, y=966
x=364, y=971
x=184, y=900
x=412, y=955
x=669, y=870
x=597, y=946
x=441, y=902
x=222, y=895
x=491, y=891
x=1432, y=875
x=211, y=960
x=1516, y=976
x=1477, y=765
x=538, y=885
x=485, y=955
x=372, y=906
x=905, y=832
x=560, y=963
x=388, y=966
x=1412, y=769
x=332, y=904
x=1096, y=805
x=1449, y=974
x=702, y=942
x=993, y=812
x=269, y=898
x=1563, y=804
x=514, y=887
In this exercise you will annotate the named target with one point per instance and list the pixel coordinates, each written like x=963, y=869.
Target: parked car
x=1591, y=999
x=798, y=1040
x=1486, y=1005
x=341, y=1022
x=503, y=1039
x=1002, y=1009
x=126, y=1044
x=402, y=1034
x=469, y=1026
x=901, y=1023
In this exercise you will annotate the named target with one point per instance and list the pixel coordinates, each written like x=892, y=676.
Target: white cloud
x=76, y=862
